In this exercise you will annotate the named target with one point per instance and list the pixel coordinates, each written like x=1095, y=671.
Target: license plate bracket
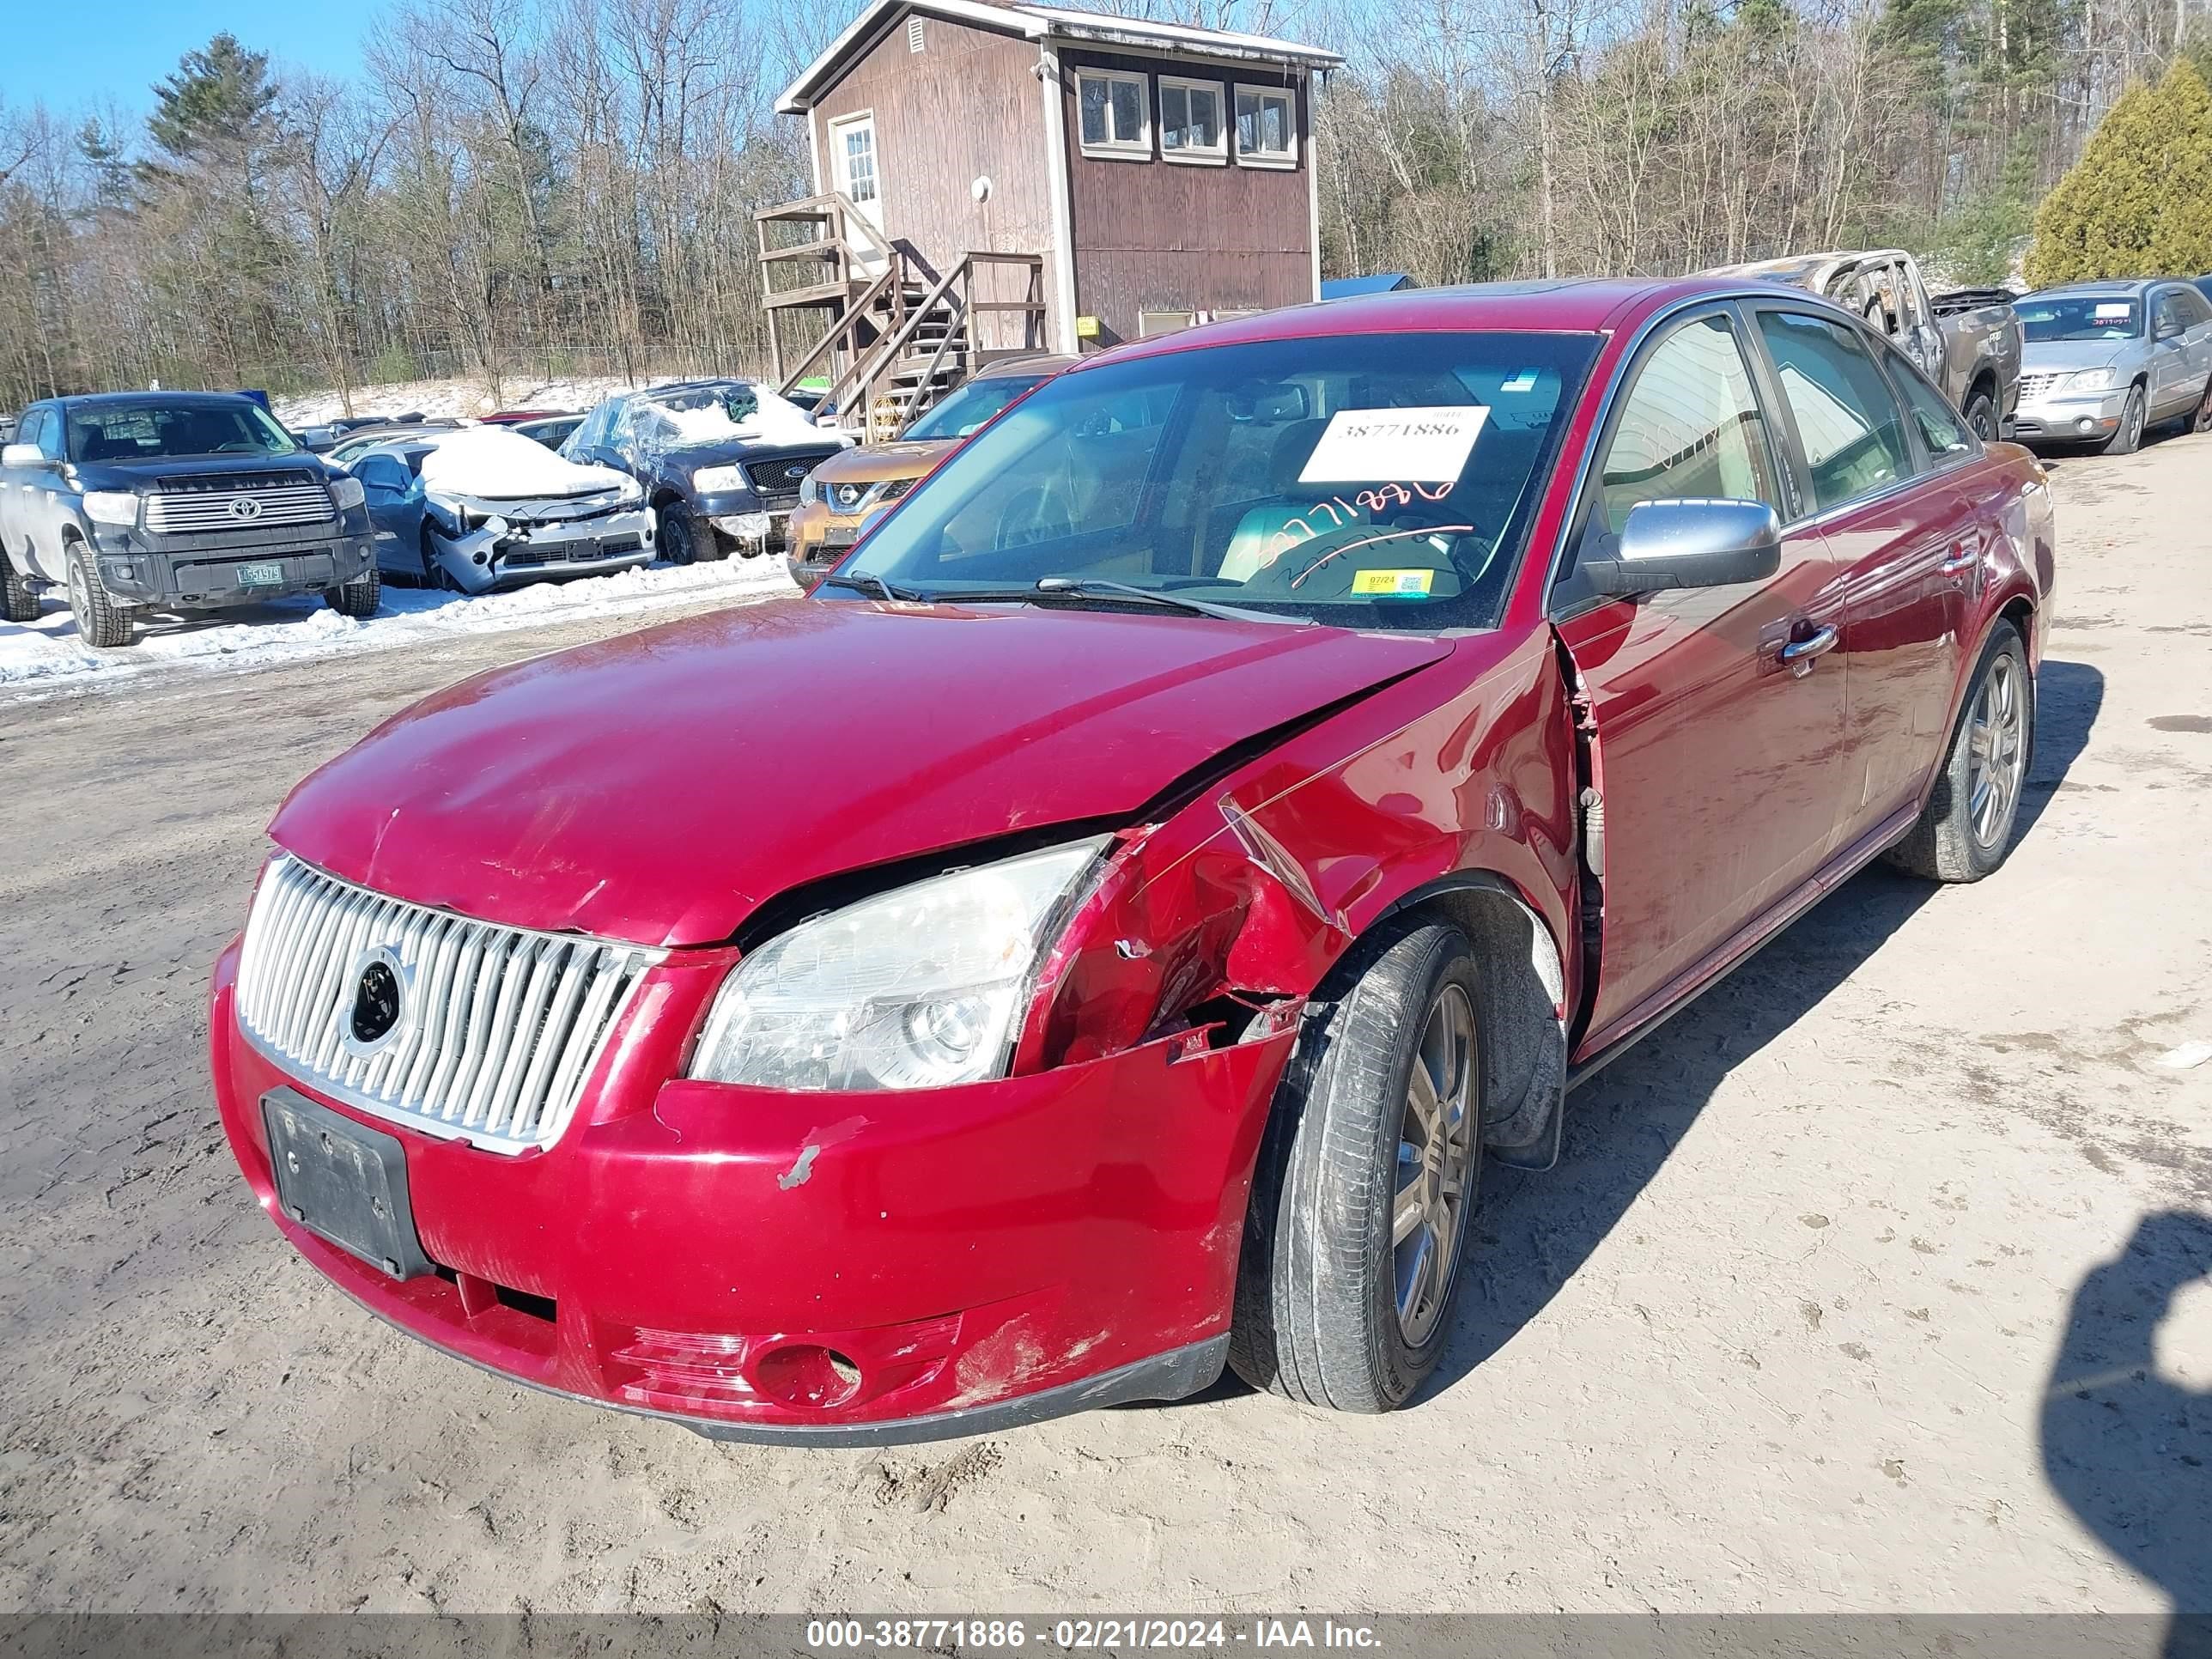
x=267, y=573
x=344, y=1181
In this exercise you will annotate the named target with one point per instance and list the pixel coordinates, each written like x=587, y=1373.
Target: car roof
x=1566, y=305
x=2114, y=285
x=109, y=399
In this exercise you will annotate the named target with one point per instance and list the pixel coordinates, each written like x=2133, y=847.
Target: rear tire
x=359, y=598
x=2129, y=439
x=1981, y=413
x=100, y=622
x=1963, y=834
x=1368, y=1172
x=18, y=604
x=2202, y=420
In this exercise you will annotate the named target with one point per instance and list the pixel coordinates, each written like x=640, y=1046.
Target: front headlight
x=111, y=506
x=916, y=989
x=718, y=477
x=809, y=491
x=347, y=492
x=2094, y=380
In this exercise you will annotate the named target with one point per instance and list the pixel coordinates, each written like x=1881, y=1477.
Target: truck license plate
x=269, y=574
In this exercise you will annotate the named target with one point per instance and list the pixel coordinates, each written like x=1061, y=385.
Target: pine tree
x=2182, y=244
x=2139, y=202
x=221, y=96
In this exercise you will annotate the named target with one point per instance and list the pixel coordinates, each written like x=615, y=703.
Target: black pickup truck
x=173, y=501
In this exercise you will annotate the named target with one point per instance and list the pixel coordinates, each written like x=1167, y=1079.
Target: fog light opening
x=808, y=1377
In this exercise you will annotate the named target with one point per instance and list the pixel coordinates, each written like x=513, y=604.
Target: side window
x=33, y=424
x=1848, y=420
x=383, y=472
x=1690, y=427
x=1941, y=430
x=50, y=435
x=2194, y=311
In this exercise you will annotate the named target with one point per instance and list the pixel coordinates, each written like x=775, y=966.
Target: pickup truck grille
x=187, y=505
x=498, y=1030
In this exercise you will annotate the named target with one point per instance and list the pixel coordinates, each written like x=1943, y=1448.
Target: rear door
x=1715, y=753
x=1901, y=526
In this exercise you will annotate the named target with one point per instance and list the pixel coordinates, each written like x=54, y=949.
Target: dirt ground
x=1875, y=1281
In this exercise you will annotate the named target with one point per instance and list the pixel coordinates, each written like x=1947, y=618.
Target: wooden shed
x=994, y=177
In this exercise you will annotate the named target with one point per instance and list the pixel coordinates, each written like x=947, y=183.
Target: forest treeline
x=524, y=189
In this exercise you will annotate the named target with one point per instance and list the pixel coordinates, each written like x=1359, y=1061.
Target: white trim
x=1280, y=162
x=1313, y=185
x=814, y=152
x=1110, y=148
x=1189, y=155
x=1039, y=22
x=1063, y=210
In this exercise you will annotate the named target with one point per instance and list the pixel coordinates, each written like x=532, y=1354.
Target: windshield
x=1371, y=481
x=966, y=409
x=134, y=431
x=2080, y=317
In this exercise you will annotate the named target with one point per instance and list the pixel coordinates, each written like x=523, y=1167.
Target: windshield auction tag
x=1393, y=581
x=1421, y=446
x=2114, y=313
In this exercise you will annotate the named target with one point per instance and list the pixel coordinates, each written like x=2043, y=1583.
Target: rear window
x=133, y=432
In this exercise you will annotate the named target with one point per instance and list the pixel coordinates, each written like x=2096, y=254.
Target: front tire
x=2202, y=420
x=676, y=534
x=1368, y=1173
x=102, y=622
x=358, y=598
x=1965, y=829
x=18, y=604
x=2129, y=439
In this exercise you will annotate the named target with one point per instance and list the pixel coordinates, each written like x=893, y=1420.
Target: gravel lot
x=1877, y=1280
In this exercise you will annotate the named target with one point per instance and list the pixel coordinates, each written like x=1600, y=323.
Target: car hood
x=659, y=787
x=908, y=458
x=2066, y=356
x=132, y=475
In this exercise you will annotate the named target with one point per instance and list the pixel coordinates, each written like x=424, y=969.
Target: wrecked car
x=486, y=507
x=1268, y=767
x=721, y=461
x=1968, y=341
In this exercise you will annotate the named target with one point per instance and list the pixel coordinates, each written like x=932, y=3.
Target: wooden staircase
x=892, y=335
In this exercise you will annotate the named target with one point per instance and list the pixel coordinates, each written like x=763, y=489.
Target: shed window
x=1266, y=127
x=1191, y=126
x=1112, y=114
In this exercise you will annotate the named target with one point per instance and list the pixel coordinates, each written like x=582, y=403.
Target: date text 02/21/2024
x=1085, y=1635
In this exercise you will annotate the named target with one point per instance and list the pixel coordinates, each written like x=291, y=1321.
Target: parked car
x=359, y=442
x=517, y=417
x=1129, y=968
x=485, y=506
x=719, y=460
x=325, y=435
x=1969, y=342
x=552, y=430
x=842, y=496
x=2106, y=362
x=173, y=501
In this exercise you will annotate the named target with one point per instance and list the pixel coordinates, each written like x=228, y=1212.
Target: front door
x=856, y=171
x=1719, y=718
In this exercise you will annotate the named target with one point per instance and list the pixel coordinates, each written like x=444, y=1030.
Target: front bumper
x=830, y=1268
x=2070, y=417
x=208, y=571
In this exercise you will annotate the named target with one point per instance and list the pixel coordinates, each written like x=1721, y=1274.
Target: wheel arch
x=1522, y=973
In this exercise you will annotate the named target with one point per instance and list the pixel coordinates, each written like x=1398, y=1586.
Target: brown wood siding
x=964, y=108
x=1168, y=236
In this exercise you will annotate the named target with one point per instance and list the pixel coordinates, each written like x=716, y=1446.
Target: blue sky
x=72, y=55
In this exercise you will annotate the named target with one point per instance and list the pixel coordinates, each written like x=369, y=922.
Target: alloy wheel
x=1436, y=1156
x=1996, y=750
x=80, y=592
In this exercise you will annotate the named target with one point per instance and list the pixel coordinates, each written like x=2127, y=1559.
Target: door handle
x=1799, y=655
x=1963, y=558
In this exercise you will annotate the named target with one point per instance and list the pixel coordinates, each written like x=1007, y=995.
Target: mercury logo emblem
x=244, y=508
x=379, y=1004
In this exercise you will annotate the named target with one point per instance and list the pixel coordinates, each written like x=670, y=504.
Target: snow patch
x=47, y=656
x=492, y=462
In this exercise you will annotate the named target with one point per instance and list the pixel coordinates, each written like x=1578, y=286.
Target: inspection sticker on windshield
x=1421, y=446
x=1392, y=582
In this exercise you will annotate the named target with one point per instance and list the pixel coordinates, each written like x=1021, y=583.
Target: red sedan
x=1268, y=767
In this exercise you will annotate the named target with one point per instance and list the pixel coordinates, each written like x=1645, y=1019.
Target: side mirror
x=22, y=455
x=1690, y=545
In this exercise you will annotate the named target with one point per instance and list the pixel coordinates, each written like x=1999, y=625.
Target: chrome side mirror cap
x=1690, y=544
x=22, y=455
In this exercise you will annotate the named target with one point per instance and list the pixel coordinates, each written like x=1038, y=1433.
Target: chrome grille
x=277, y=502
x=500, y=1026
x=2034, y=386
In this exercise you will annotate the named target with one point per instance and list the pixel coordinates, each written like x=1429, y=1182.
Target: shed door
x=856, y=169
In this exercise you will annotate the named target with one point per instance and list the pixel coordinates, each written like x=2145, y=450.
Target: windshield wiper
x=862, y=581
x=1098, y=587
